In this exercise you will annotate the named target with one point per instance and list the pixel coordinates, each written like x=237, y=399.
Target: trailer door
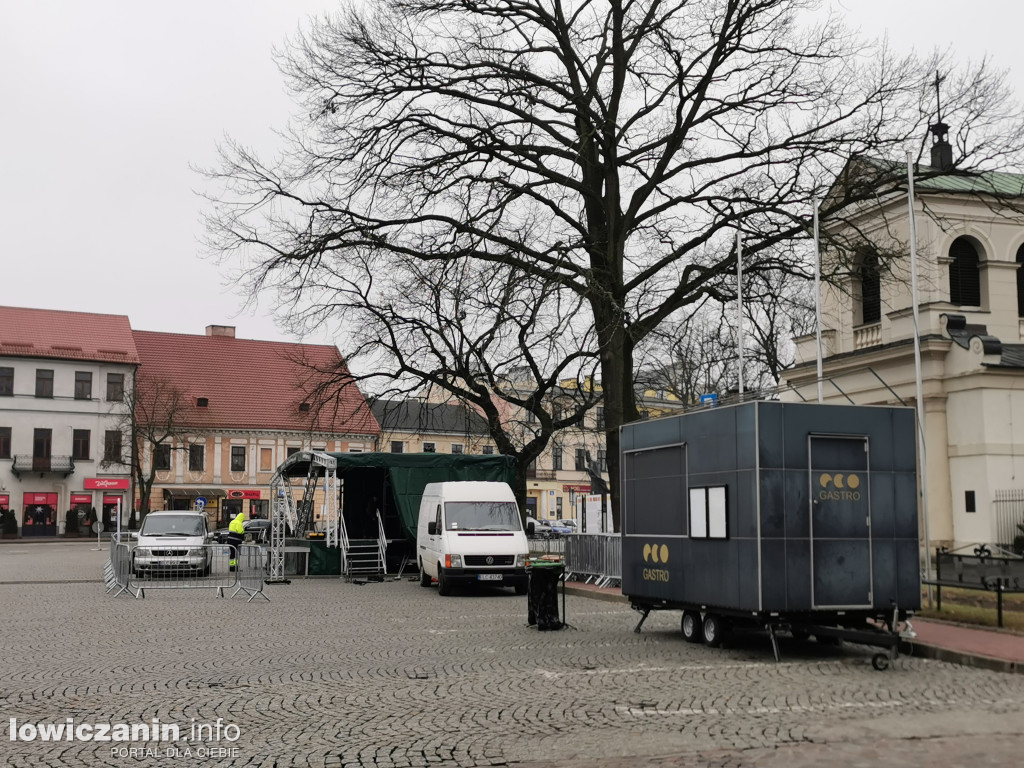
x=840, y=522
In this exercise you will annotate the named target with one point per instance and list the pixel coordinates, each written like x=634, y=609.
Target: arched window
x=870, y=289
x=1020, y=282
x=964, y=279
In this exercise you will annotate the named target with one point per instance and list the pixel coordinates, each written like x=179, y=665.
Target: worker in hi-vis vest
x=236, y=533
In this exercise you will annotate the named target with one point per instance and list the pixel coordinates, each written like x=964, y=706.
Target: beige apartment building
x=245, y=406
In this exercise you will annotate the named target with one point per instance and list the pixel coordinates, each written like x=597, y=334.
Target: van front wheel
x=443, y=587
x=424, y=576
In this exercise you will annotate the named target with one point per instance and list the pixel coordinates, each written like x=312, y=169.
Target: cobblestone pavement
x=391, y=674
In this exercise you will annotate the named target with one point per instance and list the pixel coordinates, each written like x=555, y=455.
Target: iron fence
x=1009, y=519
x=594, y=557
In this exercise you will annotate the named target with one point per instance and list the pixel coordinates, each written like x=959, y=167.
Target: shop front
x=240, y=498
x=81, y=506
x=113, y=499
x=8, y=521
x=39, y=516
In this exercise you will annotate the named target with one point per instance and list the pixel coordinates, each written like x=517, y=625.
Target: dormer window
x=304, y=407
x=202, y=402
x=964, y=278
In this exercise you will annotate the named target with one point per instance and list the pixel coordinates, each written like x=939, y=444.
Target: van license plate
x=489, y=577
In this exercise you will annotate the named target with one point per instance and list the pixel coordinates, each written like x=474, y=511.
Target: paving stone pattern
x=391, y=674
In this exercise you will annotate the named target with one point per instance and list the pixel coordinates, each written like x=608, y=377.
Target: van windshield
x=482, y=516
x=173, y=525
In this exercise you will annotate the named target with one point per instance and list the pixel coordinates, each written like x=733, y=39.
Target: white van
x=471, y=533
x=172, y=541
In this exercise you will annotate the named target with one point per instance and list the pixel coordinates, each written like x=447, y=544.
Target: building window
x=581, y=459
x=556, y=457
x=1020, y=299
x=600, y=417
x=112, y=445
x=457, y=447
x=5, y=442
x=429, y=448
x=44, y=382
x=558, y=507
x=115, y=387
x=266, y=459
x=291, y=450
x=162, y=457
x=7, y=382
x=964, y=278
x=708, y=513
x=238, y=458
x=870, y=289
x=556, y=412
x=80, y=439
x=602, y=460
x=488, y=450
x=83, y=385
x=397, y=446
x=196, y=457
x=531, y=417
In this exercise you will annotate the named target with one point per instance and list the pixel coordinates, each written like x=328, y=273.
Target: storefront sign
x=106, y=483
x=41, y=498
x=111, y=499
x=577, y=488
x=244, y=493
x=81, y=498
x=5, y=500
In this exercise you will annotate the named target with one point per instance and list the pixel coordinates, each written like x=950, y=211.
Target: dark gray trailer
x=796, y=516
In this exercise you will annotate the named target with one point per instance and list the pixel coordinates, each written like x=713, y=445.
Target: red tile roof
x=253, y=384
x=54, y=333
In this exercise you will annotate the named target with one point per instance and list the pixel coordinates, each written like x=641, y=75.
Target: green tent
x=406, y=476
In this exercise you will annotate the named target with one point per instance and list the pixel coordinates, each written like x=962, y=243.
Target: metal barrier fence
x=595, y=557
x=546, y=545
x=135, y=569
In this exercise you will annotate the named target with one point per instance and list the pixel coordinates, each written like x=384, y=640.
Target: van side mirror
x=432, y=528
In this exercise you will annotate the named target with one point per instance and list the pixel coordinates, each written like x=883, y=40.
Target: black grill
x=490, y=559
x=170, y=552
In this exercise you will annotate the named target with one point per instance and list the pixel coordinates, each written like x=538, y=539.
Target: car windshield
x=173, y=525
x=482, y=516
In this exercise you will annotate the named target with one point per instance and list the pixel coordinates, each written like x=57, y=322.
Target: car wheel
x=443, y=587
x=690, y=625
x=713, y=630
x=425, y=579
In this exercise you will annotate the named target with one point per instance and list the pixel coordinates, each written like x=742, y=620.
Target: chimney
x=221, y=330
x=942, y=150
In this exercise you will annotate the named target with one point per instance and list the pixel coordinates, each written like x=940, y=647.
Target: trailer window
x=482, y=516
x=708, y=513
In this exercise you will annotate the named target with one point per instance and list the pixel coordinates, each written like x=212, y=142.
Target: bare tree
x=154, y=426
x=458, y=332
x=612, y=148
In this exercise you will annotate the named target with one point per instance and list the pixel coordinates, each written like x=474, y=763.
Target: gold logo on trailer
x=839, y=487
x=658, y=554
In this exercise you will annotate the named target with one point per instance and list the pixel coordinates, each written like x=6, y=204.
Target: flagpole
x=817, y=294
x=922, y=448
x=739, y=305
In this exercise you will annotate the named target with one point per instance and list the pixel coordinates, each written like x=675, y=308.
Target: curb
x=608, y=597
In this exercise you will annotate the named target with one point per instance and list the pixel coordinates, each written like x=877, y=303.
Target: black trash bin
x=542, y=595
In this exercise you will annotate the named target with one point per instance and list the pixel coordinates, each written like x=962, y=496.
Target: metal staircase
x=365, y=557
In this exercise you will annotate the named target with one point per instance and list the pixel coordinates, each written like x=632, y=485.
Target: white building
x=63, y=376
x=970, y=245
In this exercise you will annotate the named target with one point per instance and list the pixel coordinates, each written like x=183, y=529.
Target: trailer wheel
x=802, y=635
x=880, y=661
x=691, y=627
x=713, y=630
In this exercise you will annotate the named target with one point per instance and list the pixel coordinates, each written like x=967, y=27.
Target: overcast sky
x=107, y=103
